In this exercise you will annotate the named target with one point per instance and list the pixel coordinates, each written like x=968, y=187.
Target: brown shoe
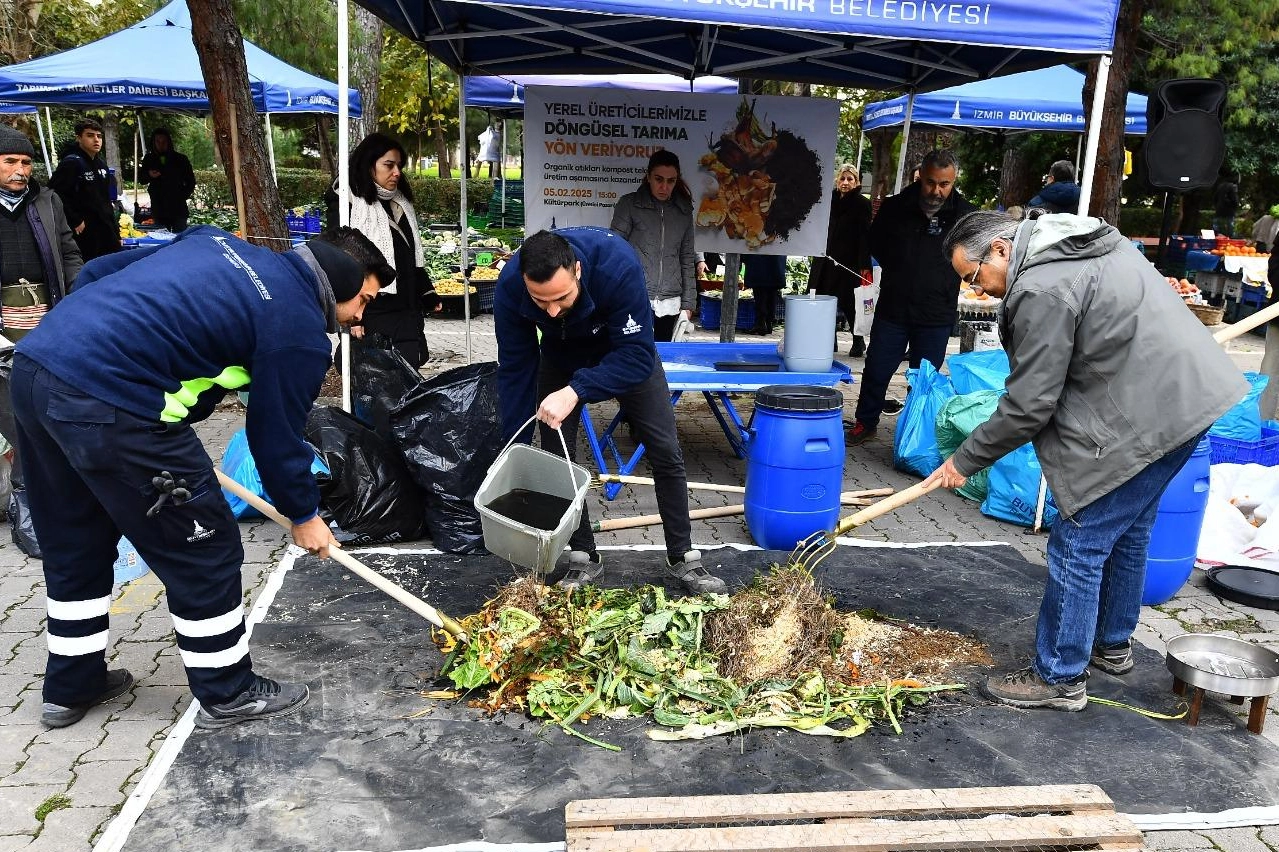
x=1024, y=688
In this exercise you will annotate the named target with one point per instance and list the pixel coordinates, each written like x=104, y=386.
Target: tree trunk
x=1016, y=186
x=111, y=147
x=881, y=163
x=442, y=150
x=221, y=48
x=328, y=154
x=1107, y=187
x=365, y=69
x=18, y=19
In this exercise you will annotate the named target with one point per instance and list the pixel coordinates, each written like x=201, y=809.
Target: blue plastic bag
x=1013, y=489
x=238, y=464
x=915, y=441
x=975, y=371
x=1243, y=421
x=129, y=564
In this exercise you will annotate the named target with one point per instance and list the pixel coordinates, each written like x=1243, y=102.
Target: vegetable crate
x=307, y=223
x=709, y=314
x=1055, y=817
x=1232, y=451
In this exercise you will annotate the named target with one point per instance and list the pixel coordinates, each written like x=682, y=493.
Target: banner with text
x=760, y=167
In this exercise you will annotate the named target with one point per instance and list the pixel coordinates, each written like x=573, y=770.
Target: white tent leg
x=1079, y=155
x=901, y=158
x=48, y=122
x=344, y=170
x=44, y=145
x=466, y=252
x=137, y=143
x=502, y=172
x=861, y=146
x=270, y=146
x=1094, y=134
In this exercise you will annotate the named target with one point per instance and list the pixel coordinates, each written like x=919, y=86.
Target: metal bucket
x=522, y=466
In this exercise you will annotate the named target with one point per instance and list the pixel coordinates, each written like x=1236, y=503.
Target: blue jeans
x=1097, y=571
x=888, y=343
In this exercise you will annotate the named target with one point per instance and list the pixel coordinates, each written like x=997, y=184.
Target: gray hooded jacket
x=662, y=235
x=1110, y=372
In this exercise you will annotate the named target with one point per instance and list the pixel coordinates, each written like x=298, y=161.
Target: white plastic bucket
x=810, y=331
x=522, y=466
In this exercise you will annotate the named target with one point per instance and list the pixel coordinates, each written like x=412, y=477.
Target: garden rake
x=809, y=553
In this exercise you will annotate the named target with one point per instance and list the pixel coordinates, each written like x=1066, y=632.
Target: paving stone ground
x=59, y=789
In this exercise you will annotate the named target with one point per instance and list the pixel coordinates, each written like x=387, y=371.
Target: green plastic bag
x=958, y=419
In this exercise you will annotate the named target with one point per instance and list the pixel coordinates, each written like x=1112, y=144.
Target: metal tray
x=1224, y=665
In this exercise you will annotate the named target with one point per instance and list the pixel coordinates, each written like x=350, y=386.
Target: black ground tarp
x=370, y=764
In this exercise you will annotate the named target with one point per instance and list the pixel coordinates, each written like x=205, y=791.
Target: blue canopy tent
x=153, y=65
x=505, y=95
x=881, y=44
x=1048, y=99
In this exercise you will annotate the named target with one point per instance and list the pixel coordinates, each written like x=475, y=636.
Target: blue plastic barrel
x=1175, y=537
x=795, y=464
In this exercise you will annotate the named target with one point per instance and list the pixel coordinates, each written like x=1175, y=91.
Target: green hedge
x=435, y=199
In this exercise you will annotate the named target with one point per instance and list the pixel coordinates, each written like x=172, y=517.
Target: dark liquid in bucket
x=534, y=509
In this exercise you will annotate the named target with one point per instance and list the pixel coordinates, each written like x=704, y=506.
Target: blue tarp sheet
x=503, y=94
x=1047, y=99
x=153, y=65
x=868, y=43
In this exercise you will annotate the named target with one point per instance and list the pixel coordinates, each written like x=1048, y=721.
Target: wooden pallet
x=1057, y=817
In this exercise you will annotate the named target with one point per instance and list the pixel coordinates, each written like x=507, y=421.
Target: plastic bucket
x=807, y=342
x=795, y=463
x=522, y=466
x=1175, y=537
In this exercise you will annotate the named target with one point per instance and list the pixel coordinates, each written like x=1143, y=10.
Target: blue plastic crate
x=708, y=316
x=1263, y=452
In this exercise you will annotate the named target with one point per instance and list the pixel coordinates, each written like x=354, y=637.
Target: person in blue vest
x=105, y=390
x=583, y=290
x=1060, y=193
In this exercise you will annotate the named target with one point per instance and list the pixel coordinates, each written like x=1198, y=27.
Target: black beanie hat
x=15, y=142
x=345, y=273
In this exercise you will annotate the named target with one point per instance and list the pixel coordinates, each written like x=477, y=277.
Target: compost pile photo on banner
x=759, y=166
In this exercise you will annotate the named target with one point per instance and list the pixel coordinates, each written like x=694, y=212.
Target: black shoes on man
x=263, y=699
x=119, y=681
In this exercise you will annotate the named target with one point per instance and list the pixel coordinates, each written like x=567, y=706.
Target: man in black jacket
x=919, y=290
x=170, y=179
x=83, y=183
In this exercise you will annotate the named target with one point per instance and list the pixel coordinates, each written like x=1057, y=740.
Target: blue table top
x=1201, y=261
x=691, y=367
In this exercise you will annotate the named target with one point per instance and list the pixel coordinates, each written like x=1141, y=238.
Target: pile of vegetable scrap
x=776, y=654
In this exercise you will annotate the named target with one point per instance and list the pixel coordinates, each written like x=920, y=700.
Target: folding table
x=693, y=367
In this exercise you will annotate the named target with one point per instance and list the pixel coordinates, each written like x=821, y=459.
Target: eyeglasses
x=971, y=280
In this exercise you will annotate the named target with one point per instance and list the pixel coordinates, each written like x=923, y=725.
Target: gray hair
x=977, y=231
x=939, y=158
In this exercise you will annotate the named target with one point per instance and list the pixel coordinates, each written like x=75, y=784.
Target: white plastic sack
x=867, y=296
x=1239, y=522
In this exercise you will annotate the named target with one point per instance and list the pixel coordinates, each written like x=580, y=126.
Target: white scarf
x=373, y=221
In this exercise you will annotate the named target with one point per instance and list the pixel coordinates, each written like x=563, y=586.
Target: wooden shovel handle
x=348, y=561
x=883, y=507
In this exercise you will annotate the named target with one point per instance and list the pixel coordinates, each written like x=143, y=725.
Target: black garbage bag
x=380, y=379
x=368, y=491
x=24, y=534
x=449, y=432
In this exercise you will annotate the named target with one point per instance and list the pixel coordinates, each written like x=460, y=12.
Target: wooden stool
x=1256, y=710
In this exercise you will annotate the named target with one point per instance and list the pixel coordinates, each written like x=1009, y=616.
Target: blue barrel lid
x=799, y=398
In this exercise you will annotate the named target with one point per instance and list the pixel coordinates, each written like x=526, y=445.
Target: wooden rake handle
x=1262, y=316
x=348, y=561
x=883, y=507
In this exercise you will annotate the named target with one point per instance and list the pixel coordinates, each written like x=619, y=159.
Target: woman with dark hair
x=381, y=203
x=657, y=220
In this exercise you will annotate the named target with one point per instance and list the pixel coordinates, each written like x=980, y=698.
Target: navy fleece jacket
x=163, y=333
x=605, y=340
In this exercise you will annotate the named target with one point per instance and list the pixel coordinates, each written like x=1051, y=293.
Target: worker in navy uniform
x=584, y=290
x=105, y=390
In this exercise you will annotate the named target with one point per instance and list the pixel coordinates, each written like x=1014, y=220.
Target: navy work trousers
x=89, y=468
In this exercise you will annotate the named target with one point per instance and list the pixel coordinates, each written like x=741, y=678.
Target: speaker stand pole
x=1165, y=231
